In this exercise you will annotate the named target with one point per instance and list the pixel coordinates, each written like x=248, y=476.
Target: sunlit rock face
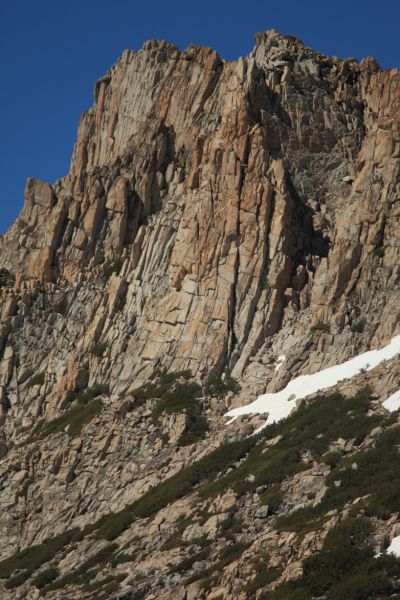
x=217, y=216
x=243, y=198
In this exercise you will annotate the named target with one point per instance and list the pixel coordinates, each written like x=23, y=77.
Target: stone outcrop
x=240, y=200
x=216, y=215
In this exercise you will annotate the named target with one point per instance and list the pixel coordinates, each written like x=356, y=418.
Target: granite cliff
x=216, y=216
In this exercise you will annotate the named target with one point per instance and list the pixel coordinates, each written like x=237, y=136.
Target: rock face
x=216, y=215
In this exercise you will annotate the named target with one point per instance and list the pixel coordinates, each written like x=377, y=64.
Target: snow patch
x=393, y=402
x=394, y=547
x=280, y=361
x=279, y=405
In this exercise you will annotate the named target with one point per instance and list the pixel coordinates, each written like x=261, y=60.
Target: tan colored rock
x=241, y=203
x=38, y=193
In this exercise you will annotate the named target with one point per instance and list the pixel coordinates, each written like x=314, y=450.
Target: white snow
x=280, y=361
x=280, y=404
x=393, y=402
x=394, y=547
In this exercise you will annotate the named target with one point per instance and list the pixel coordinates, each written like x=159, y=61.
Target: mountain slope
x=216, y=216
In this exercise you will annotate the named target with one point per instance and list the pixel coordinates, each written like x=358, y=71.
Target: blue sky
x=51, y=53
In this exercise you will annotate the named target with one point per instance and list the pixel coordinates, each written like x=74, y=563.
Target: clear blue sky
x=51, y=53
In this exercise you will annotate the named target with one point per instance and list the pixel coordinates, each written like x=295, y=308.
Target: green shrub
x=369, y=479
x=301, y=520
x=320, y=326
x=46, y=577
x=345, y=568
x=362, y=586
x=180, y=397
x=122, y=558
x=264, y=576
x=99, y=349
x=162, y=385
x=87, y=571
x=195, y=428
x=217, y=387
x=332, y=458
x=109, y=588
x=34, y=557
x=358, y=326
x=231, y=524
x=272, y=498
x=107, y=585
x=177, y=397
x=102, y=556
x=74, y=418
x=110, y=526
x=379, y=251
x=313, y=427
x=17, y=580
x=84, y=396
x=110, y=268
x=229, y=554
x=265, y=284
x=62, y=307
x=7, y=279
x=183, y=482
x=37, y=379
x=188, y=562
x=175, y=539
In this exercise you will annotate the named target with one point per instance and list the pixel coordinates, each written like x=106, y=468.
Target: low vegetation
x=196, y=426
x=217, y=386
x=379, y=251
x=99, y=349
x=159, y=386
x=358, y=326
x=105, y=586
x=264, y=576
x=246, y=465
x=61, y=307
x=320, y=326
x=87, y=571
x=178, y=398
x=360, y=476
x=7, y=279
x=174, y=393
x=112, y=525
x=188, y=562
x=345, y=568
x=87, y=406
x=312, y=428
x=18, y=579
x=46, y=577
x=272, y=498
x=32, y=558
x=37, y=379
x=71, y=420
x=113, y=268
x=227, y=556
x=84, y=396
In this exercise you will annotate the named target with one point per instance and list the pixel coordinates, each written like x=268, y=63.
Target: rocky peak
x=217, y=216
x=257, y=170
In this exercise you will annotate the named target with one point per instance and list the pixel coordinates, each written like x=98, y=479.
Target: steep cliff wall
x=240, y=198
